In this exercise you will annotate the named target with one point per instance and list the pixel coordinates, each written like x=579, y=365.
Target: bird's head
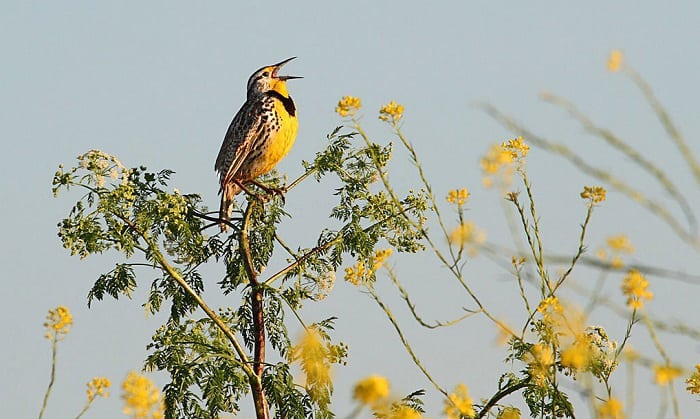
x=267, y=79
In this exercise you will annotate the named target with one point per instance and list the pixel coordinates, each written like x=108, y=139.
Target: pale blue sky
x=157, y=83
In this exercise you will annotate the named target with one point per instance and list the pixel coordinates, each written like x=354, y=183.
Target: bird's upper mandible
x=267, y=78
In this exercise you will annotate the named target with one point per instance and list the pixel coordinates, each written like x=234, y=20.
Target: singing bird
x=260, y=135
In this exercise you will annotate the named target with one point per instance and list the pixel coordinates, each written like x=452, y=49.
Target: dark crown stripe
x=286, y=101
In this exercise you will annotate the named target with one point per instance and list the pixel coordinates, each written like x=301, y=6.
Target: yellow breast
x=281, y=140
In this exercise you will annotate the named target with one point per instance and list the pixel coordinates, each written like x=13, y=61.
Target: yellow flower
x=371, y=389
x=517, y=148
x=142, y=399
x=550, y=303
x=356, y=274
x=595, y=194
x=467, y=233
x=58, y=323
x=458, y=197
x=579, y=355
x=348, y=105
x=391, y=112
x=379, y=257
x=615, y=61
x=620, y=243
x=540, y=358
x=664, y=374
x=634, y=286
x=693, y=382
x=509, y=413
x=611, y=409
x=314, y=357
x=98, y=387
x=495, y=158
x=459, y=403
x=498, y=161
x=404, y=412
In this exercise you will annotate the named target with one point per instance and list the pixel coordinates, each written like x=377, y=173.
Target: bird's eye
x=266, y=73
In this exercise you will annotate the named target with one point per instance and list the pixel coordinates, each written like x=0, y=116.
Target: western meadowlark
x=260, y=135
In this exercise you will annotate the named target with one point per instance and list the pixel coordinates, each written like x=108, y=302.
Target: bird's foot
x=270, y=192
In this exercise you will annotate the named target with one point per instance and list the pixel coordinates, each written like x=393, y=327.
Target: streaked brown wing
x=241, y=135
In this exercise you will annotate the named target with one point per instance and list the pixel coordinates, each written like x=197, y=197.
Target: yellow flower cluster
x=391, y=112
x=348, y=106
x=611, y=409
x=379, y=257
x=467, y=233
x=664, y=374
x=579, y=355
x=540, y=360
x=497, y=161
x=551, y=310
x=509, y=413
x=459, y=403
x=371, y=390
x=495, y=158
x=634, y=286
x=357, y=274
x=458, y=197
x=313, y=355
x=142, y=399
x=693, y=382
x=517, y=148
x=595, y=194
x=618, y=245
x=58, y=323
x=615, y=61
x=98, y=387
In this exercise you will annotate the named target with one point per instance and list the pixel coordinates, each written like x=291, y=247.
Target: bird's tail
x=228, y=192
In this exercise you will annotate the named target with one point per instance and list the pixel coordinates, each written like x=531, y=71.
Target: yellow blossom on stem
x=595, y=194
x=579, y=355
x=371, y=389
x=620, y=243
x=693, y=382
x=664, y=374
x=540, y=359
x=458, y=197
x=314, y=358
x=391, y=112
x=611, y=409
x=467, y=233
x=348, y=106
x=517, y=148
x=356, y=274
x=495, y=158
x=142, y=399
x=459, y=403
x=509, y=413
x=615, y=61
x=634, y=286
x=58, y=323
x=98, y=387
x=379, y=257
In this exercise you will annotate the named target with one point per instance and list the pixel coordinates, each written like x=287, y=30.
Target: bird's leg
x=271, y=191
x=249, y=192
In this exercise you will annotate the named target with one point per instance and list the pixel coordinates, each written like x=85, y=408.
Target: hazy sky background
x=157, y=83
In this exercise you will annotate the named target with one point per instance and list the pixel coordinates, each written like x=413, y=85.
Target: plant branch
x=256, y=303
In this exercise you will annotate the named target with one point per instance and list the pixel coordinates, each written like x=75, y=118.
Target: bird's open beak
x=277, y=68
